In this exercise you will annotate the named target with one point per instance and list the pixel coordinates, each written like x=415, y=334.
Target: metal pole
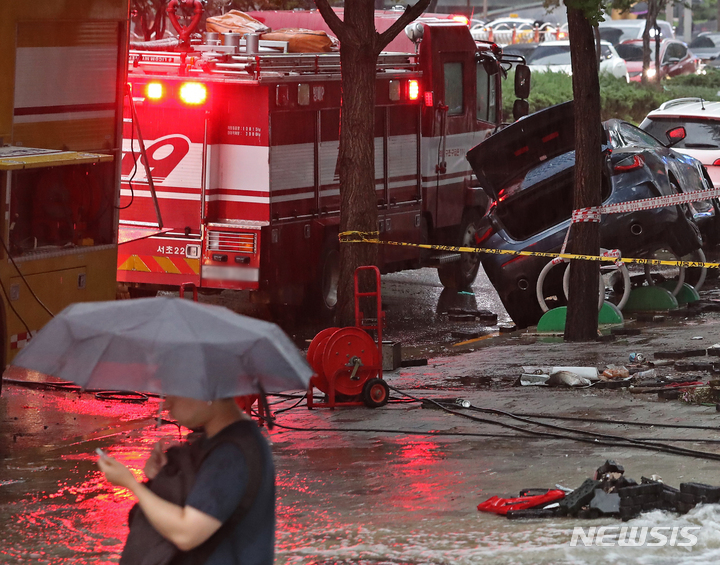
x=143, y=154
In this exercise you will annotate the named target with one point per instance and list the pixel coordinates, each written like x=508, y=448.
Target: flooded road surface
x=361, y=498
x=416, y=311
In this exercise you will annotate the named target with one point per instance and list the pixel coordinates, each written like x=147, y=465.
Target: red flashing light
x=629, y=164
x=414, y=90
x=429, y=98
x=193, y=93
x=480, y=239
x=461, y=19
x=154, y=90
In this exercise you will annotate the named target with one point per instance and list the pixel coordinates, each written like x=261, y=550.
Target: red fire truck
x=238, y=187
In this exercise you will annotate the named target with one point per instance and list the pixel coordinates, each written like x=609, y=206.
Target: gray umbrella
x=166, y=346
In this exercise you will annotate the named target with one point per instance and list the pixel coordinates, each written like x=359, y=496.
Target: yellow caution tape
x=372, y=237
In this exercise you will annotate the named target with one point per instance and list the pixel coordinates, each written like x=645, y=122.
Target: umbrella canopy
x=166, y=346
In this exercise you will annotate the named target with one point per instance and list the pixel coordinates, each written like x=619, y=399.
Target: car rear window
x=550, y=55
x=699, y=134
x=543, y=198
x=634, y=51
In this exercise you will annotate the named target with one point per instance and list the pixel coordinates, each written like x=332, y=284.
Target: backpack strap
x=252, y=452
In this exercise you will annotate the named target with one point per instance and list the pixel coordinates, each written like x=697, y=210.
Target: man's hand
x=156, y=460
x=115, y=472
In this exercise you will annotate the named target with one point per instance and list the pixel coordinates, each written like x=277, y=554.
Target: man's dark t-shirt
x=219, y=487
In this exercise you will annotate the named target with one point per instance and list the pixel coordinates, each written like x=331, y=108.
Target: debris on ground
x=608, y=493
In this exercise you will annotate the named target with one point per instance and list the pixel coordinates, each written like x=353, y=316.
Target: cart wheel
x=375, y=393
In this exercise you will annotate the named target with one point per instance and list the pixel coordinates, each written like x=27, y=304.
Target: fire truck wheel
x=461, y=274
x=375, y=393
x=321, y=295
x=136, y=292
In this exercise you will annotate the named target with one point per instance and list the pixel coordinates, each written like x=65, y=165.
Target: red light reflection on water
x=58, y=507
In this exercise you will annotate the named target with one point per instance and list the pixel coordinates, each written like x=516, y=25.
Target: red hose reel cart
x=347, y=361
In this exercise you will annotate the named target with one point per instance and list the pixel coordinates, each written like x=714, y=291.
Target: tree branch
x=331, y=19
x=410, y=14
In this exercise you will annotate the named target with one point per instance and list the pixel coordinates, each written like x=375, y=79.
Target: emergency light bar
x=154, y=90
x=193, y=93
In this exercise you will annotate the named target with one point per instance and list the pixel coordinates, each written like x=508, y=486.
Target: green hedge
x=630, y=102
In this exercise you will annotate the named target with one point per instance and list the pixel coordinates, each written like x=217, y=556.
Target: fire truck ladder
x=136, y=124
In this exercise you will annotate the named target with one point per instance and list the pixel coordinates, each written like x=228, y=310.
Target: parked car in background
x=632, y=29
x=524, y=50
x=706, y=46
x=527, y=169
x=555, y=56
x=701, y=120
x=675, y=59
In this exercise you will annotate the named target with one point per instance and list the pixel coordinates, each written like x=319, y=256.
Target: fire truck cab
x=239, y=188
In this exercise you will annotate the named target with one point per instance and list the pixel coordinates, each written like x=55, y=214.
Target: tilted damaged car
x=527, y=169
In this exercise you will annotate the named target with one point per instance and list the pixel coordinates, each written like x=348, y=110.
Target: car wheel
x=462, y=273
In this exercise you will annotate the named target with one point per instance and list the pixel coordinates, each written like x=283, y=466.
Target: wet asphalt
x=398, y=484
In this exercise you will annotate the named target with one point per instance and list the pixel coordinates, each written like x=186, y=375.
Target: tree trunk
x=356, y=163
x=360, y=45
x=581, y=324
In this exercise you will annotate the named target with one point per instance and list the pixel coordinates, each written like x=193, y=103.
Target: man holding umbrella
x=220, y=486
x=211, y=501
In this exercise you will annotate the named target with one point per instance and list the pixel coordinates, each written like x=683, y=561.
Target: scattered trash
x=637, y=358
x=700, y=395
x=590, y=373
x=529, y=498
x=614, y=372
x=608, y=493
x=649, y=374
x=533, y=380
x=567, y=378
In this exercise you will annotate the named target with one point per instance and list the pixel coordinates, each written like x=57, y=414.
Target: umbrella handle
x=262, y=401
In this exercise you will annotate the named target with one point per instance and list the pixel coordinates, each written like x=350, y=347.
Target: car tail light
x=480, y=238
x=154, y=90
x=629, y=163
x=413, y=90
x=428, y=98
x=193, y=93
x=716, y=163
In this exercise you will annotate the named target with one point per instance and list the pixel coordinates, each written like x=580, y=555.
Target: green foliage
x=630, y=102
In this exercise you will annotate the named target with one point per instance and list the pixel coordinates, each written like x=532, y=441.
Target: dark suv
x=528, y=170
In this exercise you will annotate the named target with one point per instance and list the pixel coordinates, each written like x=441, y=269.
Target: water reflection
x=360, y=499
